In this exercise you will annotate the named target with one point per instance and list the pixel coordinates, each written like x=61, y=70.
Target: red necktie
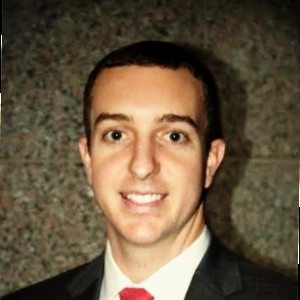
x=135, y=294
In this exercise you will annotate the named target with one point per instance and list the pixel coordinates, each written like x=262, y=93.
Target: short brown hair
x=165, y=55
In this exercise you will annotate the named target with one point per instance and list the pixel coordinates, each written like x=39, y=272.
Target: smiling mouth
x=143, y=199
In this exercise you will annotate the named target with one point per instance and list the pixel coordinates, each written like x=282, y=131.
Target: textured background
x=49, y=221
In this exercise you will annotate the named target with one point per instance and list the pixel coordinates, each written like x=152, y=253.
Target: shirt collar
x=114, y=279
x=178, y=272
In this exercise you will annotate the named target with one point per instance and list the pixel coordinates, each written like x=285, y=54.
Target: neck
x=139, y=261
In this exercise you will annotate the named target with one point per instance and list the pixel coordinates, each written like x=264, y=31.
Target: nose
x=144, y=162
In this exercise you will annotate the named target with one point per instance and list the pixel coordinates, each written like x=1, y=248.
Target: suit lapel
x=86, y=285
x=217, y=276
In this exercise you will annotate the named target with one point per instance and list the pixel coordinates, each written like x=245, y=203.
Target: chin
x=143, y=236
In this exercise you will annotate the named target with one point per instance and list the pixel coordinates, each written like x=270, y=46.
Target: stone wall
x=49, y=221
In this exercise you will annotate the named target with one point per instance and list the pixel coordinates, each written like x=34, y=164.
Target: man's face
x=146, y=163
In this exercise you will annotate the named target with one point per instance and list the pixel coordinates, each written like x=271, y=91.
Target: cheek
x=194, y=178
x=101, y=172
x=106, y=170
x=187, y=173
x=103, y=180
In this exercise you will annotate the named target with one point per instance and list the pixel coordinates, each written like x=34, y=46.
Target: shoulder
x=52, y=288
x=239, y=279
x=261, y=283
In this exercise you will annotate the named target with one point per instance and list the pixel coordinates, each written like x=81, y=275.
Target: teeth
x=143, y=199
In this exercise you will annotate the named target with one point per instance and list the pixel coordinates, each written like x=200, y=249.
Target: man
x=153, y=144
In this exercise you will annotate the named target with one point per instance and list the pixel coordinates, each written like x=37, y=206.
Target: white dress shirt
x=169, y=282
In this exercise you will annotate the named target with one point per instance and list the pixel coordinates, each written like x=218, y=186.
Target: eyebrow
x=168, y=118
x=113, y=117
x=173, y=118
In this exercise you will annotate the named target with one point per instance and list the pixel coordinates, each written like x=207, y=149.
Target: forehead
x=160, y=90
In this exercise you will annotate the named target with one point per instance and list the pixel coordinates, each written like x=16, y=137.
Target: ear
x=85, y=158
x=214, y=158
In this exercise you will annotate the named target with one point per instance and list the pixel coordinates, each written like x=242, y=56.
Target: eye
x=176, y=137
x=114, y=135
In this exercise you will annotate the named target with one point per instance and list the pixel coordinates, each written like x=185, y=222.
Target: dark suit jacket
x=221, y=275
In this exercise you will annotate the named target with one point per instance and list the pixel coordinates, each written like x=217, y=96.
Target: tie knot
x=135, y=294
